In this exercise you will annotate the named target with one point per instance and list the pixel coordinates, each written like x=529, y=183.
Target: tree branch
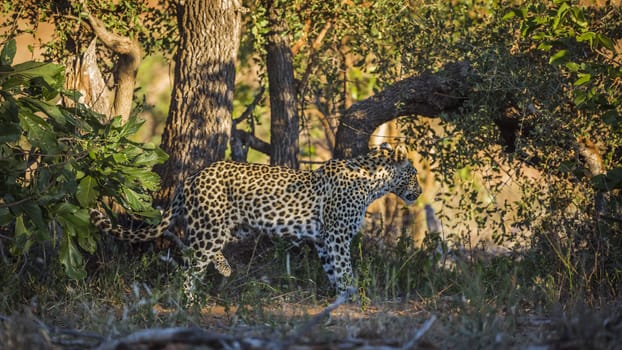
x=160, y=337
x=119, y=44
x=428, y=94
x=250, y=108
x=250, y=140
x=126, y=67
x=239, y=141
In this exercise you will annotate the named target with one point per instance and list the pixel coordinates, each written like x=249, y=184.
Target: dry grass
x=502, y=302
x=387, y=324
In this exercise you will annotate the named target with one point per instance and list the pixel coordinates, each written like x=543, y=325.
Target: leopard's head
x=405, y=183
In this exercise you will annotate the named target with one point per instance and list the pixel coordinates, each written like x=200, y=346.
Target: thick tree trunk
x=199, y=123
x=426, y=95
x=283, y=112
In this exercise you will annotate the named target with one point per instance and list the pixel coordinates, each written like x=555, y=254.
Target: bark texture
x=84, y=75
x=428, y=94
x=283, y=113
x=199, y=123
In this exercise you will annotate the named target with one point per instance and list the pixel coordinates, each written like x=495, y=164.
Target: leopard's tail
x=146, y=233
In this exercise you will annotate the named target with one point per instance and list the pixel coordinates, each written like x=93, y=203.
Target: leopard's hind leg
x=203, y=254
x=326, y=260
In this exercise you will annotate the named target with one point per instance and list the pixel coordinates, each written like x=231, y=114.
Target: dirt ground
x=385, y=325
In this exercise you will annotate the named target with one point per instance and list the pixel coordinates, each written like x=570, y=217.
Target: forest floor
x=408, y=301
x=383, y=325
x=280, y=324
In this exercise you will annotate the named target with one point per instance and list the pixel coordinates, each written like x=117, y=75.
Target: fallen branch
x=420, y=333
x=317, y=318
x=160, y=337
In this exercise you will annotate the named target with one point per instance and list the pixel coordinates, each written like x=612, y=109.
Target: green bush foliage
x=58, y=161
x=551, y=70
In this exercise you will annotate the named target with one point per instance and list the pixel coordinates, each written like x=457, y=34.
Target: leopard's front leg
x=338, y=252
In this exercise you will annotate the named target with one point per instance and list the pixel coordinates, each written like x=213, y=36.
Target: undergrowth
x=481, y=301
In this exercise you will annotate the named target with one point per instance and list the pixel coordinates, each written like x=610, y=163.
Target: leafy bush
x=58, y=161
x=579, y=43
x=551, y=72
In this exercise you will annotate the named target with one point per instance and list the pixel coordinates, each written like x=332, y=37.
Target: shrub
x=58, y=158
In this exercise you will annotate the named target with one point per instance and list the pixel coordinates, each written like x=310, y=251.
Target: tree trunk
x=426, y=94
x=199, y=123
x=283, y=113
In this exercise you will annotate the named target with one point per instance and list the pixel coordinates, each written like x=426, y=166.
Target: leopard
x=228, y=201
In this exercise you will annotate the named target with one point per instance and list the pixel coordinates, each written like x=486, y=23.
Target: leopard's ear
x=400, y=154
x=386, y=145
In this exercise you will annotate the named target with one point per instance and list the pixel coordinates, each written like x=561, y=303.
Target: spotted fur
x=227, y=200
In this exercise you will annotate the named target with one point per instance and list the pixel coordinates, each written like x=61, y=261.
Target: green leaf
x=86, y=241
x=579, y=17
x=10, y=132
x=587, y=36
x=8, y=53
x=38, y=132
x=583, y=78
x=606, y=42
x=51, y=110
x=132, y=126
x=76, y=223
x=120, y=158
x=150, y=158
x=151, y=213
x=22, y=234
x=6, y=218
x=52, y=74
x=86, y=238
x=65, y=208
x=71, y=258
x=149, y=180
x=72, y=216
x=135, y=200
x=561, y=13
x=9, y=108
x=132, y=151
x=34, y=213
x=580, y=97
x=572, y=66
x=559, y=57
x=86, y=193
x=509, y=15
